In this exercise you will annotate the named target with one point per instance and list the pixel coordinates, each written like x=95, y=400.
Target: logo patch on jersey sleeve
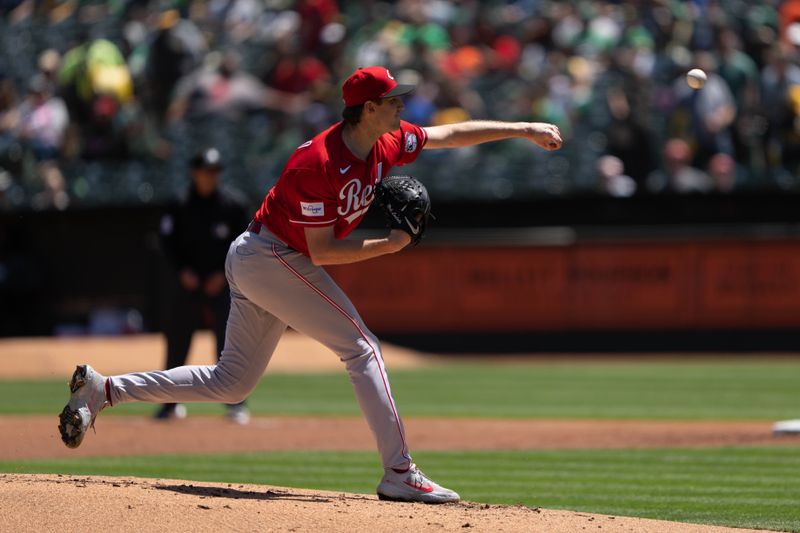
x=312, y=209
x=411, y=142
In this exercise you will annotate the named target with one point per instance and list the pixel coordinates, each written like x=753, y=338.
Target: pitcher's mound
x=78, y=503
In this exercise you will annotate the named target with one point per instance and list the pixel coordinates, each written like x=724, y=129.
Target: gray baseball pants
x=273, y=286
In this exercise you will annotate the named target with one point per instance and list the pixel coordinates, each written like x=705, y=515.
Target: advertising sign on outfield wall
x=585, y=286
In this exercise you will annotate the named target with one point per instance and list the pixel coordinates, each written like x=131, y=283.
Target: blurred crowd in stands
x=104, y=102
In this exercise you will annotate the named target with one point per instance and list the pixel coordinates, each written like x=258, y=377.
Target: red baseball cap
x=371, y=83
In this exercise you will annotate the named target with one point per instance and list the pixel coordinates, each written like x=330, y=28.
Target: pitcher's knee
x=233, y=389
x=237, y=396
x=361, y=357
x=234, y=393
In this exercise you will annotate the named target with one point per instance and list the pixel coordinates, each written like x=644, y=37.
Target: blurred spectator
x=8, y=95
x=420, y=105
x=315, y=16
x=612, y=180
x=49, y=63
x=91, y=69
x=710, y=113
x=176, y=48
x=221, y=89
x=628, y=139
x=141, y=80
x=40, y=120
x=39, y=124
x=780, y=82
x=10, y=147
x=196, y=235
x=790, y=19
x=97, y=83
x=305, y=83
x=298, y=71
x=740, y=72
x=678, y=175
x=722, y=169
x=7, y=190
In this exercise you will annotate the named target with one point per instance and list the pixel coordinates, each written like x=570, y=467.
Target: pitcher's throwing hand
x=545, y=135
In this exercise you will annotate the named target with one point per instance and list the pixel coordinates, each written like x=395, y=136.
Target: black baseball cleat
x=171, y=411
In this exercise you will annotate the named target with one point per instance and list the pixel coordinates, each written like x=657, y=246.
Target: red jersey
x=324, y=184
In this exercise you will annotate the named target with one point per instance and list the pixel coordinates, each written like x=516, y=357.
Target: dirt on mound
x=77, y=503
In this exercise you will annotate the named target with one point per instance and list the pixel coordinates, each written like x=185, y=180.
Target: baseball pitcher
x=276, y=275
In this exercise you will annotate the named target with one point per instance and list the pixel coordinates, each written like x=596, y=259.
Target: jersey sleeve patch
x=315, y=210
x=408, y=143
x=411, y=142
x=312, y=209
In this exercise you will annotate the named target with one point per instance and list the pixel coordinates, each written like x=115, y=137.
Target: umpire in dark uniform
x=196, y=235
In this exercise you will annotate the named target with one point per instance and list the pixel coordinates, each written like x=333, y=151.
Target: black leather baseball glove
x=406, y=204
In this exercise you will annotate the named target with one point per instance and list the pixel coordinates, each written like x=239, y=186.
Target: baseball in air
x=696, y=78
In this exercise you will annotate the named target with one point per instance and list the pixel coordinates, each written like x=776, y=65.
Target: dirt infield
x=36, y=437
x=72, y=503
x=53, y=502
x=46, y=358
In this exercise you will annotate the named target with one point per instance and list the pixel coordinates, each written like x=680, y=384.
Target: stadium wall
x=569, y=274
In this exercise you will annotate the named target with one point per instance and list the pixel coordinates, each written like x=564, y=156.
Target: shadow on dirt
x=235, y=494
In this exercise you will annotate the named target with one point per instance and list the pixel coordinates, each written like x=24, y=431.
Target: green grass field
x=686, y=390
x=743, y=487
